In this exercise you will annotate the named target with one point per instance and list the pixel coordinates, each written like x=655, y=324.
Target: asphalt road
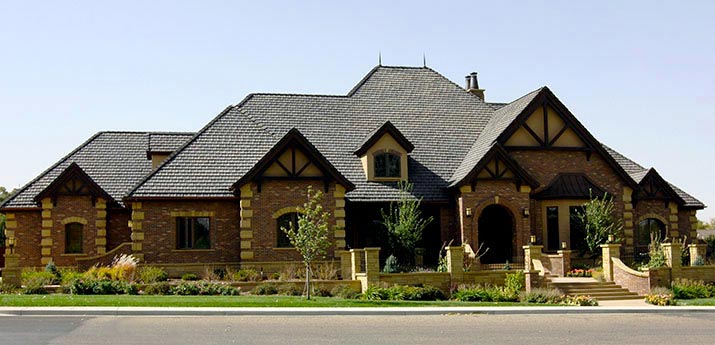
x=686, y=328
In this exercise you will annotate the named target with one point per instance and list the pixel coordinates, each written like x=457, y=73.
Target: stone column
x=455, y=264
x=628, y=224
x=532, y=279
x=12, y=273
x=696, y=251
x=372, y=265
x=46, y=242
x=246, y=232
x=355, y=262
x=609, y=250
x=565, y=261
x=345, y=264
x=137, y=235
x=531, y=252
x=672, y=258
x=339, y=232
x=101, y=225
x=673, y=218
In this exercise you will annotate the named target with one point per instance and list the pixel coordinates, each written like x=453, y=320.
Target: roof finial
x=424, y=59
x=379, y=58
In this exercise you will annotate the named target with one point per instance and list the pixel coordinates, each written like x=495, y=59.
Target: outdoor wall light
x=532, y=239
x=11, y=244
x=526, y=212
x=611, y=239
x=563, y=245
x=468, y=211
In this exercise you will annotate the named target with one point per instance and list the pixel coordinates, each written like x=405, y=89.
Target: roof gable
x=653, y=186
x=73, y=181
x=386, y=128
x=293, y=140
x=496, y=164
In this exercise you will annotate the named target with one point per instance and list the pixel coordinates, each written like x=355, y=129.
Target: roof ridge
x=42, y=174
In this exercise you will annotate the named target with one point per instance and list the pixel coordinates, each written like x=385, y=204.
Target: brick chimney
x=473, y=85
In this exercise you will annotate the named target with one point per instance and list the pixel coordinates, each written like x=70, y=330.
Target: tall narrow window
x=552, y=228
x=285, y=221
x=387, y=165
x=193, y=233
x=73, y=238
x=647, y=228
x=578, y=235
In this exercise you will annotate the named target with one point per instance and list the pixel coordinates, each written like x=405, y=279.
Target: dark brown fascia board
x=498, y=151
x=178, y=198
x=388, y=128
x=74, y=170
x=293, y=135
x=545, y=95
x=19, y=209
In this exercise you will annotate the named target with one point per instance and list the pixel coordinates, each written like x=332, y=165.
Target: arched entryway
x=496, y=231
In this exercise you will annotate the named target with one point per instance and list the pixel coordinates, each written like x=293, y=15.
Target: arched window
x=73, y=238
x=285, y=221
x=387, y=164
x=646, y=228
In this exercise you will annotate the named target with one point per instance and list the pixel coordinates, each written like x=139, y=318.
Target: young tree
x=404, y=223
x=3, y=195
x=311, y=236
x=597, y=222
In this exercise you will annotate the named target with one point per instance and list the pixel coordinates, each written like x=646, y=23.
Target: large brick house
x=492, y=173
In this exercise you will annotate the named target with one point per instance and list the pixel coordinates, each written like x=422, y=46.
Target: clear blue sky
x=639, y=75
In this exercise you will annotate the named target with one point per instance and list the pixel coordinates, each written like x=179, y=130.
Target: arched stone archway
x=496, y=232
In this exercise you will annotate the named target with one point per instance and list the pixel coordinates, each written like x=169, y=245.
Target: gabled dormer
x=293, y=158
x=384, y=154
x=653, y=187
x=496, y=164
x=75, y=182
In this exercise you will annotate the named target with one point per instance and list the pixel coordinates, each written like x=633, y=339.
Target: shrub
x=52, y=269
x=481, y=293
x=515, y=281
x=7, y=289
x=101, y=287
x=325, y=271
x=689, y=289
x=189, y=277
x=265, y=289
x=321, y=291
x=710, y=249
x=292, y=272
x=215, y=289
x=68, y=275
x=391, y=265
x=541, y=295
x=160, y=288
x=185, y=289
x=36, y=278
x=699, y=261
x=344, y=291
x=577, y=272
x=124, y=267
x=275, y=276
x=403, y=293
x=581, y=300
x=152, y=274
x=245, y=275
x=36, y=285
x=660, y=296
x=290, y=290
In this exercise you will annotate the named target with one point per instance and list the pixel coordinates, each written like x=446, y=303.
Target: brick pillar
x=345, y=264
x=672, y=258
x=696, y=251
x=12, y=273
x=628, y=224
x=101, y=224
x=246, y=232
x=46, y=241
x=339, y=232
x=455, y=264
x=372, y=265
x=137, y=235
x=10, y=227
x=532, y=279
x=609, y=250
x=531, y=252
x=565, y=261
x=673, y=218
x=355, y=262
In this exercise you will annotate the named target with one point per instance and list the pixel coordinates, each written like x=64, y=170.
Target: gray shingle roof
x=114, y=160
x=637, y=172
x=167, y=141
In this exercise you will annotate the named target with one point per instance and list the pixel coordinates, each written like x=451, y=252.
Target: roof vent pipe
x=475, y=82
x=468, y=80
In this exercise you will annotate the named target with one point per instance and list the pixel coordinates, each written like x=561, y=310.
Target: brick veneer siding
x=118, y=230
x=544, y=166
x=159, y=229
x=73, y=207
x=488, y=193
x=28, y=234
x=274, y=196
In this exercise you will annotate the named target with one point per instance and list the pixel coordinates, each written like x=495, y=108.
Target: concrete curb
x=146, y=311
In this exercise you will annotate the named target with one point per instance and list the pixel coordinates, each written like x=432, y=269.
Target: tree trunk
x=307, y=281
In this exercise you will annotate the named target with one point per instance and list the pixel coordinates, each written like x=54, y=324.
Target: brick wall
x=276, y=195
x=73, y=206
x=159, y=227
x=118, y=230
x=28, y=235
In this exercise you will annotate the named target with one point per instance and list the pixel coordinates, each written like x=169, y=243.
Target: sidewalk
x=148, y=311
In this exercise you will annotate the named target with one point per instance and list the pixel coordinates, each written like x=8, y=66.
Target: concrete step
x=582, y=291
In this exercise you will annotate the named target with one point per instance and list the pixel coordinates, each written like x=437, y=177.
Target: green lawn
x=697, y=301
x=220, y=301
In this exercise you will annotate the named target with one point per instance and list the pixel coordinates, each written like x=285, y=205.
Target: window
x=578, y=233
x=73, y=238
x=192, y=233
x=552, y=228
x=646, y=228
x=387, y=165
x=285, y=221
